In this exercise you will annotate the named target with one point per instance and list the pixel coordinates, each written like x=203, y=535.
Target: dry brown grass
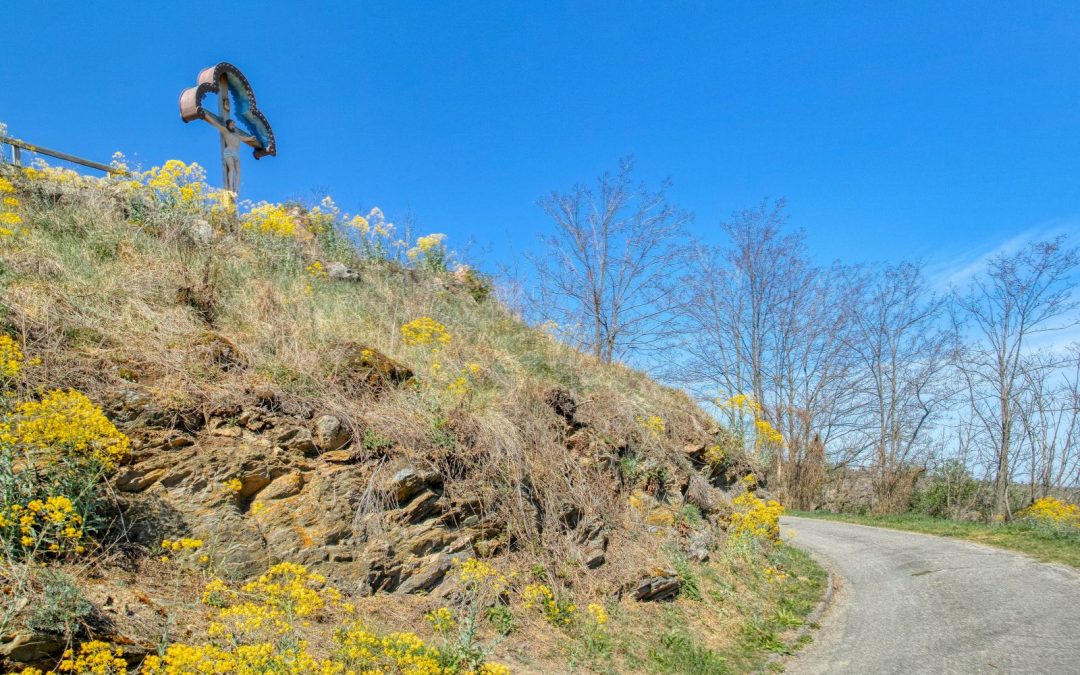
x=116, y=299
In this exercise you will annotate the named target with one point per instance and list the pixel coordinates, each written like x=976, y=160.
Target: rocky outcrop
x=304, y=496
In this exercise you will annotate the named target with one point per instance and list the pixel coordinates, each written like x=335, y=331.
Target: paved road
x=912, y=603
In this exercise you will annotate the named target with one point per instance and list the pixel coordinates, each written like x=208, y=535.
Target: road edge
x=815, y=616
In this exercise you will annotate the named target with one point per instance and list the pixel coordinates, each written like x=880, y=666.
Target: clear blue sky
x=937, y=130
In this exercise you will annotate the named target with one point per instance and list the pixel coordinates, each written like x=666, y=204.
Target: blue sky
x=896, y=130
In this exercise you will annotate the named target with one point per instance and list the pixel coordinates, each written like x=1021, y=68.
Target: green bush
x=62, y=608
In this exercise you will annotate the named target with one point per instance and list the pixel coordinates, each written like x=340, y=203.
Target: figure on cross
x=231, y=139
x=234, y=92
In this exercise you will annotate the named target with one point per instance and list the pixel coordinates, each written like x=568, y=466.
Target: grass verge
x=748, y=611
x=1042, y=543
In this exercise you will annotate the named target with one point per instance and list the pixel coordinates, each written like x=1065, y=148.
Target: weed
x=678, y=653
x=62, y=609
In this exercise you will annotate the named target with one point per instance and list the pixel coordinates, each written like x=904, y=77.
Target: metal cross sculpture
x=235, y=98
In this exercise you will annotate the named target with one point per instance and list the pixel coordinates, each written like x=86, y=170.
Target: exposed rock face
x=368, y=525
x=376, y=521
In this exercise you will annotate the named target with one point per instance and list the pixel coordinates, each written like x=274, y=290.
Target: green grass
x=1041, y=543
x=769, y=614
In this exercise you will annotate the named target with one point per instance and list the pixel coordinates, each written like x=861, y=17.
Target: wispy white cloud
x=956, y=272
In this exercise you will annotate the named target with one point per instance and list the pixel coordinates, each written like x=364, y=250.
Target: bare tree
x=1048, y=412
x=762, y=321
x=901, y=352
x=1018, y=297
x=610, y=264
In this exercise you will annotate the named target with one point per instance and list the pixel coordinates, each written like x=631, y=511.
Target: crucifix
x=238, y=120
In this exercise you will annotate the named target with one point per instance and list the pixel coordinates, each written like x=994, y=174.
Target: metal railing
x=18, y=146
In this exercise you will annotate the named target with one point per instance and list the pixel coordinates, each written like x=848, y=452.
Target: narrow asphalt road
x=913, y=603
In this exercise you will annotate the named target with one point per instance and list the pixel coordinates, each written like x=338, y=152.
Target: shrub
x=62, y=608
x=755, y=517
x=1054, y=513
x=261, y=627
x=429, y=252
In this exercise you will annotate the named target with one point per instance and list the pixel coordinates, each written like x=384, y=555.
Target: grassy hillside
x=289, y=439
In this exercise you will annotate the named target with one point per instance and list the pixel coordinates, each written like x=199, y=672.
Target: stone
x=406, y=483
x=340, y=272
x=421, y=506
x=656, y=588
x=338, y=457
x=297, y=439
x=563, y=404
x=200, y=231
x=427, y=575
x=428, y=538
x=701, y=494
x=700, y=546
x=228, y=432
x=30, y=647
x=368, y=369
x=694, y=451
x=330, y=433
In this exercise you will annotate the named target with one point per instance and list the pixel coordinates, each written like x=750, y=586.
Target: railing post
x=16, y=155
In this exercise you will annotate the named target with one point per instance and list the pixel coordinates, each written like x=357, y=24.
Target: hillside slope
x=296, y=387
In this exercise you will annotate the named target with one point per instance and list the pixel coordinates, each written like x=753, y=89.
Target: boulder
x=330, y=433
x=283, y=487
x=297, y=439
x=200, y=232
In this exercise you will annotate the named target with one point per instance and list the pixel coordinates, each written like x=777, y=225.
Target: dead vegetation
x=232, y=355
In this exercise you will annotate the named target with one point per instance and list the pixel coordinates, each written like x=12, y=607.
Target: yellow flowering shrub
x=373, y=234
x=42, y=172
x=441, y=620
x=11, y=357
x=774, y=575
x=8, y=203
x=49, y=526
x=653, y=424
x=178, y=183
x=756, y=517
x=260, y=628
x=714, y=456
x=424, y=331
x=275, y=219
x=557, y=612
x=459, y=386
x=322, y=218
x=233, y=486
x=429, y=252
x=766, y=434
x=66, y=423
x=597, y=614
x=747, y=421
x=183, y=548
x=93, y=658
x=1052, y=511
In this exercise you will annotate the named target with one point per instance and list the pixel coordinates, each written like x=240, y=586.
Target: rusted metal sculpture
x=235, y=97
